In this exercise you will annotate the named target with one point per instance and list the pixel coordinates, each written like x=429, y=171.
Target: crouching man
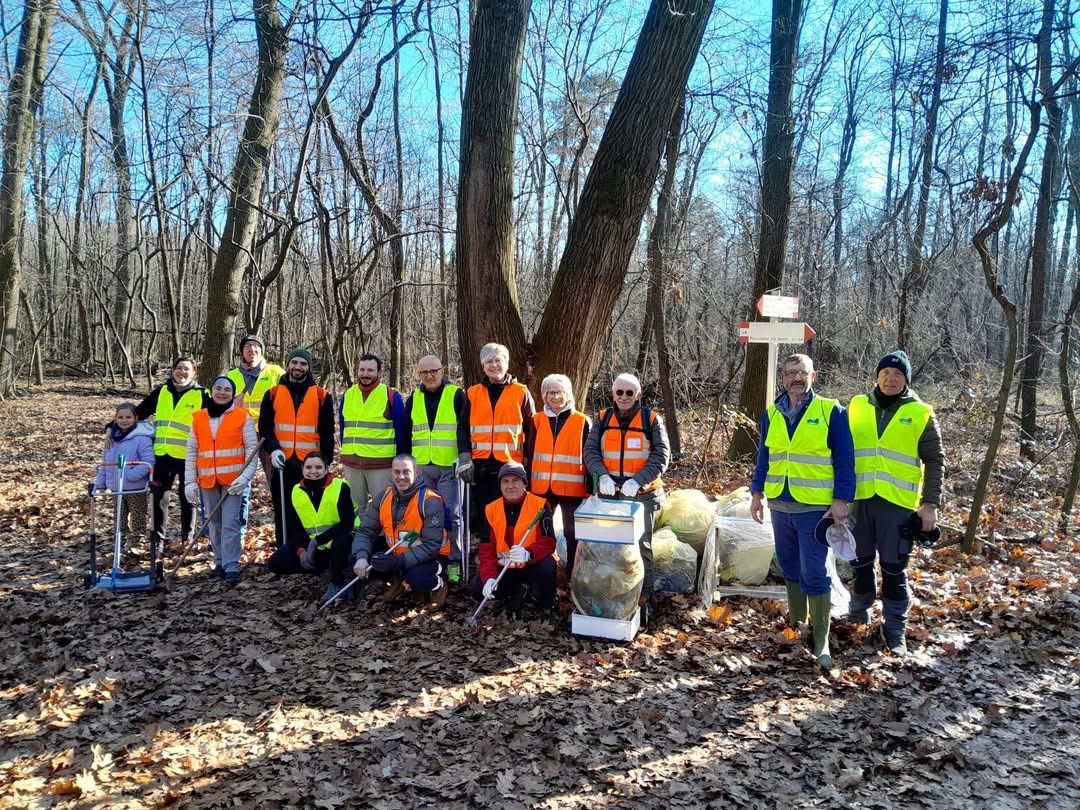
x=520, y=546
x=402, y=538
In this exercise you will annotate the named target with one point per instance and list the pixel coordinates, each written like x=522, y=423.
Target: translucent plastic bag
x=734, y=504
x=745, y=549
x=689, y=513
x=840, y=596
x=674, y=563
x=607, y=580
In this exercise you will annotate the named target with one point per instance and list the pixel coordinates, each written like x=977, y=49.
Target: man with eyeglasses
x=628, y=451
x=436, y=426
x=806, y=468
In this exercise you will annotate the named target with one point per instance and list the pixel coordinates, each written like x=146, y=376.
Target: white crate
x=605, y=628
x=601, y=521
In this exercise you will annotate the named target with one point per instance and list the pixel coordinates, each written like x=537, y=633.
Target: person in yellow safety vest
x=899, y=468
x=501, y=412
x=171, y=406
x=296, y=419
x=557, y=457
x=627, y=449
x=325, y=508
x=222, y=438
x=437, y=429
x=806, y=468
x=402, y=538
x=371, y=431
x=253, y=378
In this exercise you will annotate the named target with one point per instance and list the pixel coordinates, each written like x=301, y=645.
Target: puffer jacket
x=138, y=445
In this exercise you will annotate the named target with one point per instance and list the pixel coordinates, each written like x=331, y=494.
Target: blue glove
x=388, y=563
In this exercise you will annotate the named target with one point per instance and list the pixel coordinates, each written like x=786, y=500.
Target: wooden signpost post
x=774, y=332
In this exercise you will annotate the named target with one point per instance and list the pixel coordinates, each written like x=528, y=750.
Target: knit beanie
x=898, y=360
x=221, y=378
x=303, y=354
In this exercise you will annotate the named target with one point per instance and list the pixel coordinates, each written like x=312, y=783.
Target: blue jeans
x=801, y=557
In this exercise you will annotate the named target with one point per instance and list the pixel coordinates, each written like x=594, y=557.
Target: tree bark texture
x=487, y=296
x=607, y=223
x=775, y=204
x=249, y=170
x=34, y=35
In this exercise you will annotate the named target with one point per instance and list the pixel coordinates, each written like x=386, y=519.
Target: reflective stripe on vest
x=804, y=460
x=219, y=458
x=411, y=521
x=365, y=429
x=297, y=431
x=625, y=452
x=888, y=465
x=557, y=463
x=315, y=522
x=436, y=444
x=497, y=432
x=496, y=516
x=268, y=377
x=172, y=423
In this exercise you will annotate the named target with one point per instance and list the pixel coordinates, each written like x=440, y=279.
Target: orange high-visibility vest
x=297, y=431
x=220, y=458
x=504, y=539
x=411, y=521
x=625, y=452
x=497, y=432
x=557, y=462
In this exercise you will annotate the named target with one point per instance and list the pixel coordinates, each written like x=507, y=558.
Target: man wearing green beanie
x=899, y=467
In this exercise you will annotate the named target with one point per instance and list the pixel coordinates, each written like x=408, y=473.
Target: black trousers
x=286, y=560
x=485, y=489
x=166, y=471
x=539, y=577
x=568, y=504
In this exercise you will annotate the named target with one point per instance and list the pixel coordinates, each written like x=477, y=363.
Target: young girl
x=135, y=441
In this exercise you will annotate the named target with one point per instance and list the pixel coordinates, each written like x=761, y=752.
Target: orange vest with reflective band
x=220, y=458
x=557, y=462
x=411, y=521
x=625, y=452
x=297, y=431
x=496, y=517
x=497, y=433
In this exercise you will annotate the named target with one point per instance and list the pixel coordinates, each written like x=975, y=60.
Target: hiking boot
x=438, y=597
x=894, y=642
x=453, y=574
x=394, y=589
x=331, y=591
x=514, y=602
x=217, y=572
x=232, y=578
x=858, y=617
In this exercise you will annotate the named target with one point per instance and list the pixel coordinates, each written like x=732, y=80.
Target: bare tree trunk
x=397, y=249
x=242, y=216
x=29, y=74
x=444, y=302
x=775, y=203
x=1064, y=361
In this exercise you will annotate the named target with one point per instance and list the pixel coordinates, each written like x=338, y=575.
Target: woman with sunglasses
x=628, y=449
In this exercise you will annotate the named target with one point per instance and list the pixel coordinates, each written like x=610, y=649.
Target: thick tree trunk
x=242, y=215
x=616, y=193
x=775, y=203
x=444, y=298
x=487, y=297
x=29, y=74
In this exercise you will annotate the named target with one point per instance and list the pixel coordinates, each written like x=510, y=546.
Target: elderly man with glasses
x=806, y=468
x=628, y=450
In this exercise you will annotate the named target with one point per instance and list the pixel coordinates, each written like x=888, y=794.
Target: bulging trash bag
x=674, y=563
x=689, y=513
x=607, y=580
x=734, y=504
x=744, y=550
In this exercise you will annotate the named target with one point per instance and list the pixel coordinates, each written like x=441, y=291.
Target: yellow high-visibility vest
x=436, y=444
x=172, y=422
x=888, y=465
x=365, y=429
x=803, y=460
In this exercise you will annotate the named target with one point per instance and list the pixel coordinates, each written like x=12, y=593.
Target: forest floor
x=206, y=696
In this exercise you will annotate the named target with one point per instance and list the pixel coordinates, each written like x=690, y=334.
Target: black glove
x=388, y=563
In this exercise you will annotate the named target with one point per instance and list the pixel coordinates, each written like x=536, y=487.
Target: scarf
x=119, y=434
x=217, y=409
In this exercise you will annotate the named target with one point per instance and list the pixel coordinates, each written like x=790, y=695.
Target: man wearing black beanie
x=899, y=466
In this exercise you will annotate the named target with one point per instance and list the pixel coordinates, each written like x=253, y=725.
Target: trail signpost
x=774, y=332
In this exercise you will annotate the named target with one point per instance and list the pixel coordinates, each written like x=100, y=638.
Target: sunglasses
x=629, y=392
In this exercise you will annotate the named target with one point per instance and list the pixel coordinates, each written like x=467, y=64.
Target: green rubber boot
x=796, y=602
x=820, y=620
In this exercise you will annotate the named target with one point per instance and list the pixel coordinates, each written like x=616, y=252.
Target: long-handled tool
x=357, y=578
x=281, y=500
x=471, y=621
x=118, y=580
x=465, y=531
x=206, y=521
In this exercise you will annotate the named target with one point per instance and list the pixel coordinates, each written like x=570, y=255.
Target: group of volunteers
x=394, y=514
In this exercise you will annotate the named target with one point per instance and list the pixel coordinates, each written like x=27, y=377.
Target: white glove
x=191, y=493
x=630, y=488
x=489, y=588
x=518, y=555
x=607, y=485
x=237, y=487
x=277, y=459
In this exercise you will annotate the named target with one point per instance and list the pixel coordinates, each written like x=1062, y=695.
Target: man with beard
x=296, y=419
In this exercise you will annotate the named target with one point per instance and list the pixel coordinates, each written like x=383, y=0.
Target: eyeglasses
x=794, y=374
x=431, y=370
x=629, y=392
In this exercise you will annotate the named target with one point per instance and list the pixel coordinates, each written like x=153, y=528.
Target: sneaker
x=217, y=572
x=438, y=597
x=894, y=642
x=232, y=578
x=453, y=574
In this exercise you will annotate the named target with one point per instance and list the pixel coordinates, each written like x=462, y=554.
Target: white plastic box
x=602, y=521
x=605, y=628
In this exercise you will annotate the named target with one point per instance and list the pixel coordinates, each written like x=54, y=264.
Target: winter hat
x=303, y=354
x=513, y=468
x=246, y=339
x=898, y=360
x=227, y=380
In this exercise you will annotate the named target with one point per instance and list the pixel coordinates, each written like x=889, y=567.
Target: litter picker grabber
x=118, y=580
x=206, y=522
x=464, y=535
x=354, y=580
x=281, y=499
x=471, y=621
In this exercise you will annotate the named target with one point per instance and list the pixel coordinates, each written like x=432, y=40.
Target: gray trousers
x=442, y=480
x=225, y=531
x=364, y=484
x=877, y=537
